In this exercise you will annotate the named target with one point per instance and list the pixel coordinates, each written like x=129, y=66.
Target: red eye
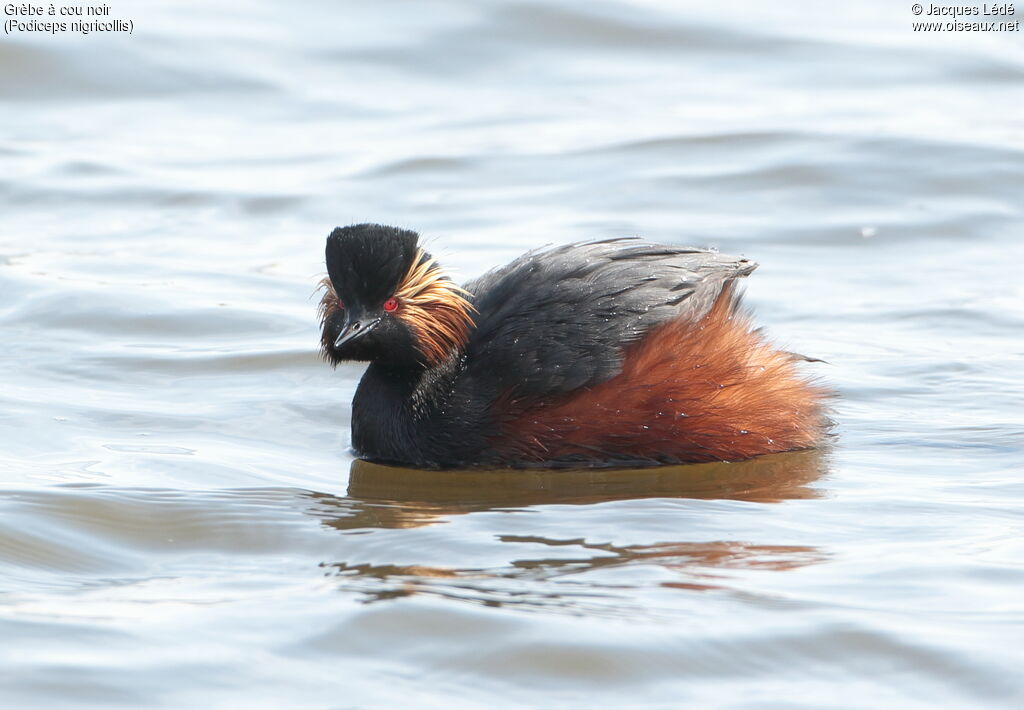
x=390, y=304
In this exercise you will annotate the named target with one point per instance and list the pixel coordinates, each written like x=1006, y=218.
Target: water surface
x=181, y=522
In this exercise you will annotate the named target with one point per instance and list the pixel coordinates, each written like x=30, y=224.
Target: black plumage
x=365, y=262
x=558, y=319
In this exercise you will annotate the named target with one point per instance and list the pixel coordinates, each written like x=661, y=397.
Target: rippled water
x=182, y=523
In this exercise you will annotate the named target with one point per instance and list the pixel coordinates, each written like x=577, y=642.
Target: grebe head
x=387, y=299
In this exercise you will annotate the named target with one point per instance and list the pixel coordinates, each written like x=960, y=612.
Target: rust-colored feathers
x=711, y=390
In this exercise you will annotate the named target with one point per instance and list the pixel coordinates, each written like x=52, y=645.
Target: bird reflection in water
x=385, y=497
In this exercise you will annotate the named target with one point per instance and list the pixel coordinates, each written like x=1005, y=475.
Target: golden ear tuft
x=329, y=304
x=435, y=308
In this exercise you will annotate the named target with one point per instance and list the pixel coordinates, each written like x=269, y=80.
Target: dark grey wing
x=555, y=320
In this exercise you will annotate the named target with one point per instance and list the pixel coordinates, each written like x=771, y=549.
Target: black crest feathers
x=367, y=262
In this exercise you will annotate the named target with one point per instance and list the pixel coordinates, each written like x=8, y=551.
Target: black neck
x=381, y=410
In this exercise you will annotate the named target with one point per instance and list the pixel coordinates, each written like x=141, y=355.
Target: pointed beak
x=355, y=328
